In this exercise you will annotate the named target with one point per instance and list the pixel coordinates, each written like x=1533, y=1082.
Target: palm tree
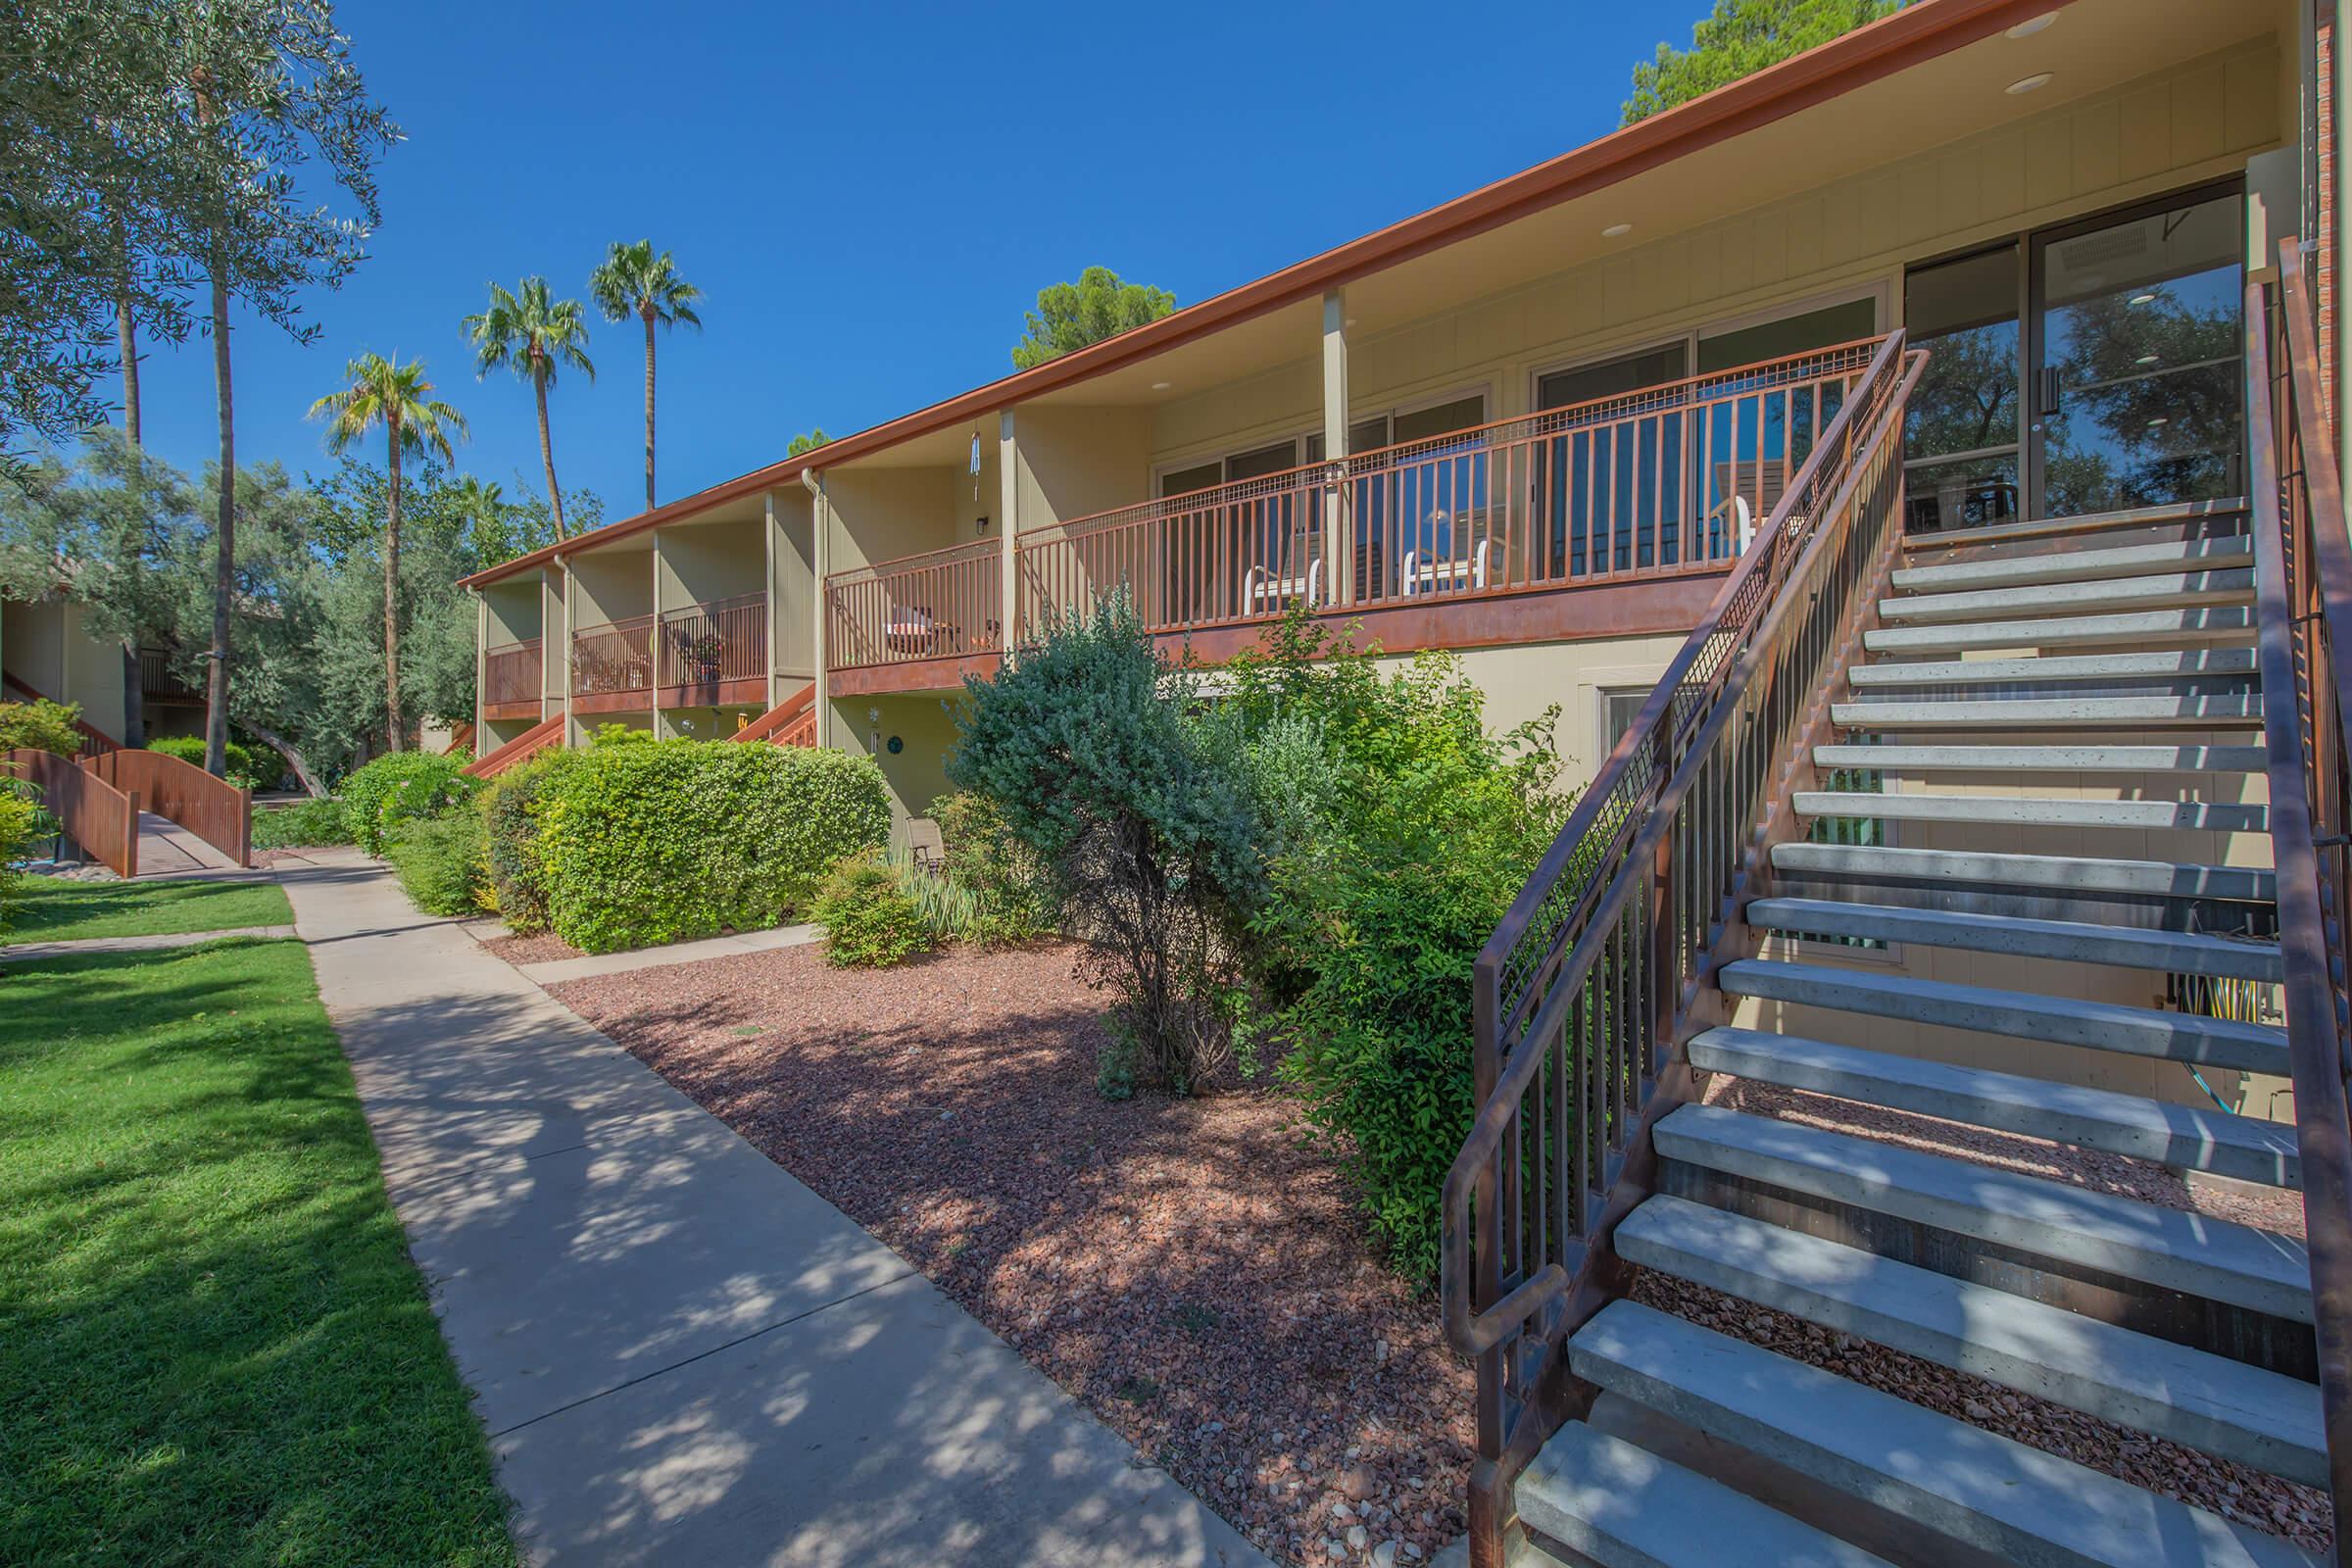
x=634, y=281
x=397, y=399
x=533, y=333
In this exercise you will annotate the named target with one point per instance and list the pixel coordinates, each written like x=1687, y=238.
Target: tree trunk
x=225, y=566
x=302, y=769
x=647, y=312
x=547, y=453
x=134, y=690
x=392, y=724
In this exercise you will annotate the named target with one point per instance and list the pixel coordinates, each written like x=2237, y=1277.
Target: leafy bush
x=516, y=886
x=41, y=726
x=869, y=921
x=304, y=824
x=400, y=786
x=438, y=860
x=244, y=767
x=618, y=734
x=992, y=887
x=1404, y=830
x=670, y=840
x=19, y=824
x=1149, y=849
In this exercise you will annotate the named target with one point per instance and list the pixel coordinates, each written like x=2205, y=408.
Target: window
x=1619, y=707
x=1586, y=383
x=1846, y=321
x=1961, y=437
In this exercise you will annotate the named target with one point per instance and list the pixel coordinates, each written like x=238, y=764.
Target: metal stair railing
x=1583, y=996
x=2303, y=605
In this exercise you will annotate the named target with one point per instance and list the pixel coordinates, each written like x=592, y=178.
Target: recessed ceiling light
x=1161, y=386
x=2027, y=85
x=2143, y=299
x=2145, y=359
x=2033, y=24
x=2159, y=419
x=1616, y=231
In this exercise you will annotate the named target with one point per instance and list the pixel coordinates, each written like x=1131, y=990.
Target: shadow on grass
x=217, y=1350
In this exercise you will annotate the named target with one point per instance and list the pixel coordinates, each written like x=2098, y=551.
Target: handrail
x=2303, y=607
x=941, y=604
x=945, y=554
x=778, y=721
x=214, y=809
x=103, y=820
x=1581, y=995
x=521, y=748
x=612, y=657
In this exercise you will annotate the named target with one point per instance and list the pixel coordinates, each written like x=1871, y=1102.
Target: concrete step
x=2191, y=1136
x=2035, y=810
x=2045, y=759
x=2060, y=873
x=2219, y=1406
x=2224, y=711
x=2165, y=1247
x=2110, y=594
x=2226, y=623
x=2227, y=550
x=1994, y=1495
x=2064, y=940
x=2166, y=665
x=2018, y=1014
x=1622, y=1506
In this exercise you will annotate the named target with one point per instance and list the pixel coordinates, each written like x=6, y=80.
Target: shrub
x=992, y=883
x=438, y=860
x=670, y=840
x=397, y=786
x=618, y=734
x=41, y=726
x=517, y=875
x=244, y=767
x=304, y=824
x=19, y=824
x=1149, y=847
x=869, y=921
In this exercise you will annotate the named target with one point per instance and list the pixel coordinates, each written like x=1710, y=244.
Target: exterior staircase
x=1958, y=914
x=2014, y=1279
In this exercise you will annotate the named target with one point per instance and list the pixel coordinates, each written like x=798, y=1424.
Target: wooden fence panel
x=103, y=820
x=214, y=809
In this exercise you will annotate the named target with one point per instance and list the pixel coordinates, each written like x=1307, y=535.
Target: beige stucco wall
x=49, y=646
x=703, y=562
x=2198, y=121
x=516, y=606
x=611, y=587
x=792, y=590
x=877, y=515
x=917, y=774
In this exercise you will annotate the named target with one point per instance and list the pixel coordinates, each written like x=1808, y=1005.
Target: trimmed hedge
x=438, y=860
x=673, y=840
x=399, y=786
x=303, y=825
x=510, y=807
x=869, y=921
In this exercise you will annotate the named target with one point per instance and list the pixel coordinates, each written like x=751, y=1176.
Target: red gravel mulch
x=1193, y=1271
x=544, y=948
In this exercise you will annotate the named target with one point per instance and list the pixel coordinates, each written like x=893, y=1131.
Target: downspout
x=2340, y=34
x=819, y=534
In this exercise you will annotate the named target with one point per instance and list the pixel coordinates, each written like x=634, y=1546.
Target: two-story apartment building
x=1532, y=424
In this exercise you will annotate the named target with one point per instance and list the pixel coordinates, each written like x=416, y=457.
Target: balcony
x=158, y=685
x=943, y=611
x=612, y=666
x=713, y=653
x=511, y=687
x=1655, y=492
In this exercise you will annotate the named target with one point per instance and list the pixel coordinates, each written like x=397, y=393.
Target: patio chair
x=1443, y=576
x=1263, y=589
x=926, y=846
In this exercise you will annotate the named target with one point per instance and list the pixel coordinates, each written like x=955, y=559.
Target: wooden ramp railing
x=521, y=748
x=102, y=820
x=2303, y=598
x=213, y=809
x=791, y=722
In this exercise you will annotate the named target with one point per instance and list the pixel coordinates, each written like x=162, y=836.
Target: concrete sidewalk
x=681, y=1354
x=174, y=939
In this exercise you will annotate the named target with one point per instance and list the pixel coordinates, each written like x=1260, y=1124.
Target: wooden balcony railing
x=946, y=604
x=2303, y=598
x=158, y=683
x=510, y=673
x=1666, y=480
x=722, y=640
x=617, y=657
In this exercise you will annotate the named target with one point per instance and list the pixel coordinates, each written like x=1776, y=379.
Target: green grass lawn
x=213, y=1348
x=51, y=910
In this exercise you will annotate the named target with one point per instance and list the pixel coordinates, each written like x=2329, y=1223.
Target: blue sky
x=870, y=197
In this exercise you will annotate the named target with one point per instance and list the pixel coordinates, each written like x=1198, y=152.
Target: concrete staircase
x=2001, y=866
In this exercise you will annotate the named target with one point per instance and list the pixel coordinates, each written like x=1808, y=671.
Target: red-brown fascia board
x=1918, y=32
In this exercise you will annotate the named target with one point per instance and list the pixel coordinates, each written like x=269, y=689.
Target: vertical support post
x=771, y=540
x=821, y=530
x=481, y=670
x=1339, y=543
x=1009, y=510
x=664, y=728
x=572, y=725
